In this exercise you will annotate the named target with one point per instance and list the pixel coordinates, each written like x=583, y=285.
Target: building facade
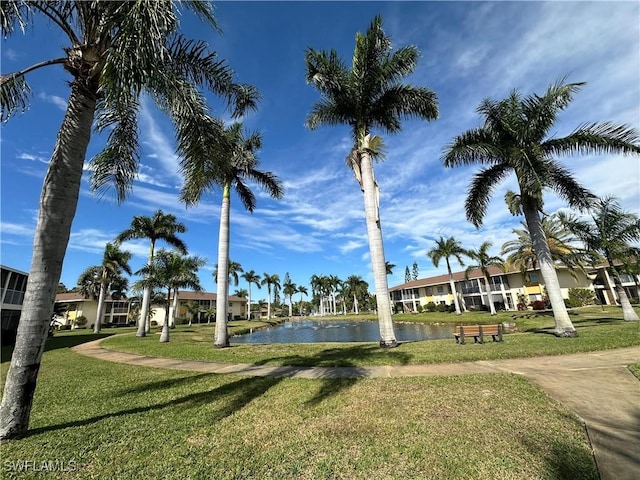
x=13, y=284
x=206, y=302
x=506, y=289
x=73, y=306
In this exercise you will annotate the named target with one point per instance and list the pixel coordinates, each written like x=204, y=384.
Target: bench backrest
x=474, y=330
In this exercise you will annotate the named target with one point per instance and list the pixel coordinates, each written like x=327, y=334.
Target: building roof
x=10, y=269
x=441, y=279
x=188, y=295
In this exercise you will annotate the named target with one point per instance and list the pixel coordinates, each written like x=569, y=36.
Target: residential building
x=13, y=284
x=75, y=305
x=207, y=303
x=505, y=288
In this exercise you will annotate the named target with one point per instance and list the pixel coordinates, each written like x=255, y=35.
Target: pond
x=310, y=331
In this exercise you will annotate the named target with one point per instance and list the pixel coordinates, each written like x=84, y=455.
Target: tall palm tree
x=302, y=290
x=239, y=164
x=514, y=139
x=357, y=288
x=272, y=282
x=483, y=261
x=251, y=278
x=447, y=248
x=388, y=267
x=161, y=226
x=369, y=95
x=289, y=289
x=111, y=61
x=170, y=270
x=234, y=271
x=610, y=233
x=89, y=282
x=114, y=262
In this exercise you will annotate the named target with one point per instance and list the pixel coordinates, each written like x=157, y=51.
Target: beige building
x=207, y=304
x=505, y=288
x=74, y=305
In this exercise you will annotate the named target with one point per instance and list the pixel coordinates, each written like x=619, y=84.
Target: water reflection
x=310, y=331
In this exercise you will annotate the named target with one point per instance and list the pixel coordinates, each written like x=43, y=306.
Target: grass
x=635, y=369
x=598, y=330
x=102, y=421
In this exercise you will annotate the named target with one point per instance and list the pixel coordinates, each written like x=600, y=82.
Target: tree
x=160, y=226
x=251, y=278
x=234, y=271
x=484, y=261
x=193, y=309
x=271, y=281
x=171, y=270
x=610, y=233
x=447, y=248
x=111, y=60
x=114, y=262
x=302, y=291
x=522, y=256
x=289, y=289
x=229, y=168
x=369, y=95
x=388, y=267
x=414, y=271
x=357, y=289
x=514, y=139
x=89, y=282
x=407, y=275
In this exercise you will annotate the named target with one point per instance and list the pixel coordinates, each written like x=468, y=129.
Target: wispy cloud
x=59, y=102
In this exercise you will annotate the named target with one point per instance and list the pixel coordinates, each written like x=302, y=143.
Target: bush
x=182, y=321
x=441, y=307
x=579, y=297
x=431, y=307
x=80, y=321
x=154, y=323
x=419, y=308
x=538, y=305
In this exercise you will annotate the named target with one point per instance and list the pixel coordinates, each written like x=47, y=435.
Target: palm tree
x=447, y=248
x=251, y=278
x=302, y=291
x=171, y=270
x=89, y=282
x=369, y=95
x=609, y=233
x=289, y=289
x=271, y=281
x=228, y=168
x=111, y=60
x=161, y=226
x=484, y=261
x=357, y=288
x=521, y=254
x=193, y=309
x=114, y=262
x=514, y=139
x=234, y=269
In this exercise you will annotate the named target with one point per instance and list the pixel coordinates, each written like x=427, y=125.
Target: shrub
x=81, y=321
x=431, y=307
x=538, y=305
x=419, y=308
x=579, y=297
x=154, y=323
x=441, y=307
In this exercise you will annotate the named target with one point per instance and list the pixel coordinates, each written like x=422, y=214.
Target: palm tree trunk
x=268, y=301
x=222, y=298
x=144, y=325
x=487, y=290
x=100, y=313
x=164, y=336
x=355, y=304
x=174, y=310
x=563, y=325
x=453, y=289
x=58, y=202
x=249, y=306
x=376, y=250
x=628, y=313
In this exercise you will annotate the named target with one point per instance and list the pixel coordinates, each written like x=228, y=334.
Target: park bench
x=478, y=332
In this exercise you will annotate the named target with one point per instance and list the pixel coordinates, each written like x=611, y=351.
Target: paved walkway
x=597, y=386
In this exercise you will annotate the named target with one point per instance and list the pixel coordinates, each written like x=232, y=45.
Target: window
x=429, y=291
x=440, y=289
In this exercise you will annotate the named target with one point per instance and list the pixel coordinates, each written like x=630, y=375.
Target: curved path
x=597, y=386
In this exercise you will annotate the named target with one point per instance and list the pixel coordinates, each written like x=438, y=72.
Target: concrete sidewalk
x=597, y=386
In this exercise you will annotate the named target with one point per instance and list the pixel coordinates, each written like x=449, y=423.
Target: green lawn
x=109, y=421
x=598, y=330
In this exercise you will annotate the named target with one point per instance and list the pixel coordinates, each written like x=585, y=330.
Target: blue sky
x=469, y=51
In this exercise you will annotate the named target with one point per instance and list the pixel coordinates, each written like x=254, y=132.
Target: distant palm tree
x=302, y=291
x=289, y=289
x=161, y=226
x=172, y=271
x=609, y=233
x=514, y=139
x=114, y=262
x=447, y=248
x=369, y=95
x=234, y=271
x=484, y=261
x=89, y=282
x=228, y=168
x=251, y=278
x=193, y=309
x=112, y=60
x=356, y=288
x=272, y=282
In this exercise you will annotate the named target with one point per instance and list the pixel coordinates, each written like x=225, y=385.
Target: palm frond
x=473, y=146
x=403, y=102
x=14, y=14
x=480, y=190
x=15, y=95
x=563, y=183
x=602, y=137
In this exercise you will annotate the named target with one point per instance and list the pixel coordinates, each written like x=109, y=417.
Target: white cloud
x=59, y=102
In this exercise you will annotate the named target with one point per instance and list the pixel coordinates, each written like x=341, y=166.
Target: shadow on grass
x=56, y=342
x=579, y=324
